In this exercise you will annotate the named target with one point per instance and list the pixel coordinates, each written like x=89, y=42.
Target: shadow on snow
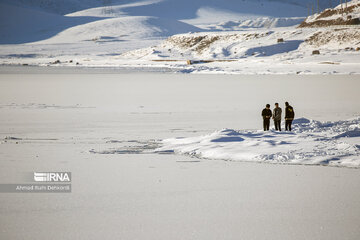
x=271, y=50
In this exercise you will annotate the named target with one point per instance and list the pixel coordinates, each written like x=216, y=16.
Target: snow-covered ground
x=104, y=126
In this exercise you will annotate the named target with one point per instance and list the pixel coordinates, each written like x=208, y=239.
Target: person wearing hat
x=277, y=117
x=289, y=116
x=266, y=114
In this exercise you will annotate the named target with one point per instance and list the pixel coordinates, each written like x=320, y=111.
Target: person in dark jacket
x=289, y=116
x=266, y=114
x=277, y=117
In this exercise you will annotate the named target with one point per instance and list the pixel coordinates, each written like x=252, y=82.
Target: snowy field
x=137, y=145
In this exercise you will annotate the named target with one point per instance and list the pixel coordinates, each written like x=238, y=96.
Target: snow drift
x=311, y=143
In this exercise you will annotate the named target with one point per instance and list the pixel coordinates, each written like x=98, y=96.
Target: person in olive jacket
x=289, y=116
x=277, y=117
x=266, y=114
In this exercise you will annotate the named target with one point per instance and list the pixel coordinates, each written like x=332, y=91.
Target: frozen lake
x=152, y=104
x=60, y=115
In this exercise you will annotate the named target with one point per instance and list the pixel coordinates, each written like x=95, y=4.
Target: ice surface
x=118, y=195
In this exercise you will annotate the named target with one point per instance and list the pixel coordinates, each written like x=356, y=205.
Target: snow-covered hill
x=128, y=24
x=265, y=45
x=117, y=30
x=32, y=20
x=24, y=21
x=20, y=25
x=265, y=22
x=343, y=14
x=173, y=8
x=111, y=33
x=60, y=7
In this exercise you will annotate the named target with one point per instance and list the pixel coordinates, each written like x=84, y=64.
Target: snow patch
x=311, y=143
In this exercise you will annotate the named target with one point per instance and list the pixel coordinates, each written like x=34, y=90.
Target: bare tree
x=312, y=8
x=107, y=6
x=341, y=7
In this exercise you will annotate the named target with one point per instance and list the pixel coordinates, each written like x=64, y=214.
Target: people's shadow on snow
x=271, y=50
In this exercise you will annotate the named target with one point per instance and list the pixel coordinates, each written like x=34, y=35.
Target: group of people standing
x=267, y=114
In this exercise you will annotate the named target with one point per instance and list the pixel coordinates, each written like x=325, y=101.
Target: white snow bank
x=310, y=143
